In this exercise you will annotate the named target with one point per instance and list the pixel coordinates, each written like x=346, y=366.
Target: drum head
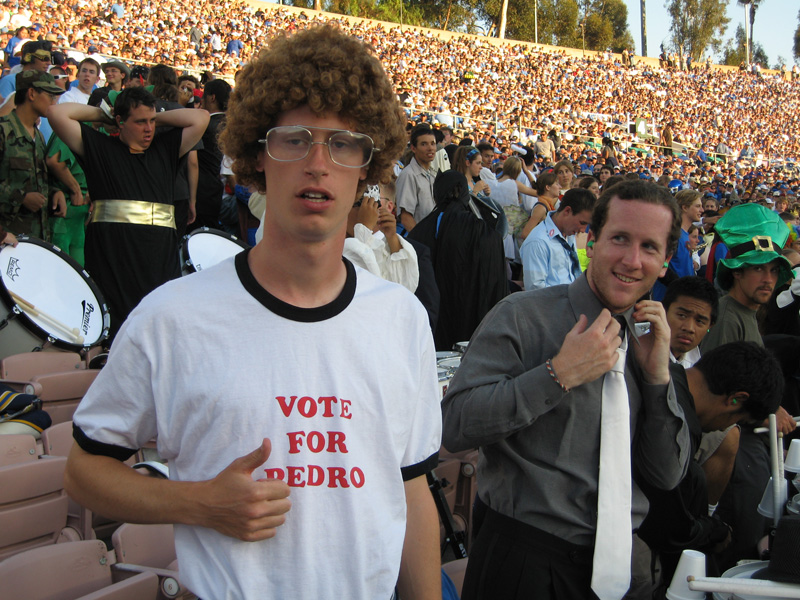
x=54, y=296
x=449, y=363
x=206, y=247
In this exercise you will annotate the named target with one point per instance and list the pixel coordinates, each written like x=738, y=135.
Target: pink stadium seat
x=57, y=439
x=145, y=545
x=71, y=571
x=150, y=549
x=61, y=391
x=27, y=365
x=15, y=449
x=33, y=505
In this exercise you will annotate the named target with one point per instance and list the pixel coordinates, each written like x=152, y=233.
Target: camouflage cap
x=44, y=82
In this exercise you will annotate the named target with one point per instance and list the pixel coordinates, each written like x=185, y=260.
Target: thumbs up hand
x=235, y=505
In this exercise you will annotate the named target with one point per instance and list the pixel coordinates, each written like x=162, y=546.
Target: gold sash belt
x=136, y=212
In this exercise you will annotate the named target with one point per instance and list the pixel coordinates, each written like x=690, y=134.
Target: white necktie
x=611, y=570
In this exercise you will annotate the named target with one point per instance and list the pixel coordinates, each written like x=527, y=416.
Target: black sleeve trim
x=421, y=468
x=99, y=448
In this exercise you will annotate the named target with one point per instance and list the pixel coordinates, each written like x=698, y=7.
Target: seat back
x=33, y=504
x=15, y=449
x=57, y=440
x=145, y=545
x=27, y=365
x=62, y=391
x=71, y=571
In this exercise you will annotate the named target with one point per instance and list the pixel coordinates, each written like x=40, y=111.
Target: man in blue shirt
x=549, y=256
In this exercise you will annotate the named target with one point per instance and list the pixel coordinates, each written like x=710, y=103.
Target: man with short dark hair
x=549, y=255
x=529, y=393
x=739, y=382
x=692, y=304
x=25, y=191
x=88, y=76
x=131, y=238
x=415, y=183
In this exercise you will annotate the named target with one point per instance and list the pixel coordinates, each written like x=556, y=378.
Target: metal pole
x=536, y=21
x=746, y=36
x=644, y=29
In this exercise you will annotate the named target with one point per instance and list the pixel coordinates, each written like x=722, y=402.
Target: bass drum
x=205, y=247
x=50, y=302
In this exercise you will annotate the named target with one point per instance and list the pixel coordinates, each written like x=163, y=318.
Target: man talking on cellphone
x=567, y=393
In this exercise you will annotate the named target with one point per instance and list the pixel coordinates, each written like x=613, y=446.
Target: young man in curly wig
x=290, y=360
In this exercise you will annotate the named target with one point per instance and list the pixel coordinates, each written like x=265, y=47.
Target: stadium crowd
x=466, y=82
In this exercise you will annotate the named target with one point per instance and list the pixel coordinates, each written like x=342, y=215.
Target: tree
x=697, y=25
x=607, y=25
x=734, y=52
x=797, y=39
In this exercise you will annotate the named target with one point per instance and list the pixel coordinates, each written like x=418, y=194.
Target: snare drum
x=446, y=368
x=205, y=247
x=49, y=301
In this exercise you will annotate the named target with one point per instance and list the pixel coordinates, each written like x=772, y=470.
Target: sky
x=775, y=24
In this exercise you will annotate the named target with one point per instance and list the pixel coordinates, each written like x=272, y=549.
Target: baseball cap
x=43, y=82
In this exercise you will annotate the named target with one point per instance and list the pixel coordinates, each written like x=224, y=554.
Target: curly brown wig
x=330, y=73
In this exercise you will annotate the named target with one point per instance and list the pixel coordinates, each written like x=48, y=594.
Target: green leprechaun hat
x=754, y=236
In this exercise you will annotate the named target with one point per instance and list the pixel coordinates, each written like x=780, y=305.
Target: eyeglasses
x=346, y=148
x=57, y=77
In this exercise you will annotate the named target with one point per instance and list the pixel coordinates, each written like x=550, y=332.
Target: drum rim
x=31, y=325
x=184, y=250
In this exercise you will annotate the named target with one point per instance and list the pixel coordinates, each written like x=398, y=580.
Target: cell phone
x=641, y=329
x=378, y=200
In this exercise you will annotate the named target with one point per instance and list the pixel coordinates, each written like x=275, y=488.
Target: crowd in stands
x=512, y=90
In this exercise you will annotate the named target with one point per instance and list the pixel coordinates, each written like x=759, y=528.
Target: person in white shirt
x=309, y=375
x=88, y=76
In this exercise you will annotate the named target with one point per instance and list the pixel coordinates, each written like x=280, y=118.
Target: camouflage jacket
x=22, y=170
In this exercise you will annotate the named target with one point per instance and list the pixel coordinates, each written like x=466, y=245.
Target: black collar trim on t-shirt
x=289, y=311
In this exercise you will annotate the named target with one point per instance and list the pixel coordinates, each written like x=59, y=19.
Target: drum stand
x=454, y=538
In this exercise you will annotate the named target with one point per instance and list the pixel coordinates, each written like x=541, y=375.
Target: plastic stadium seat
x=33, y=505
x=71, y=571
x=29, y=364
x=62, y=391
x=57, y=439
x=150, y=549
x=15, y=449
